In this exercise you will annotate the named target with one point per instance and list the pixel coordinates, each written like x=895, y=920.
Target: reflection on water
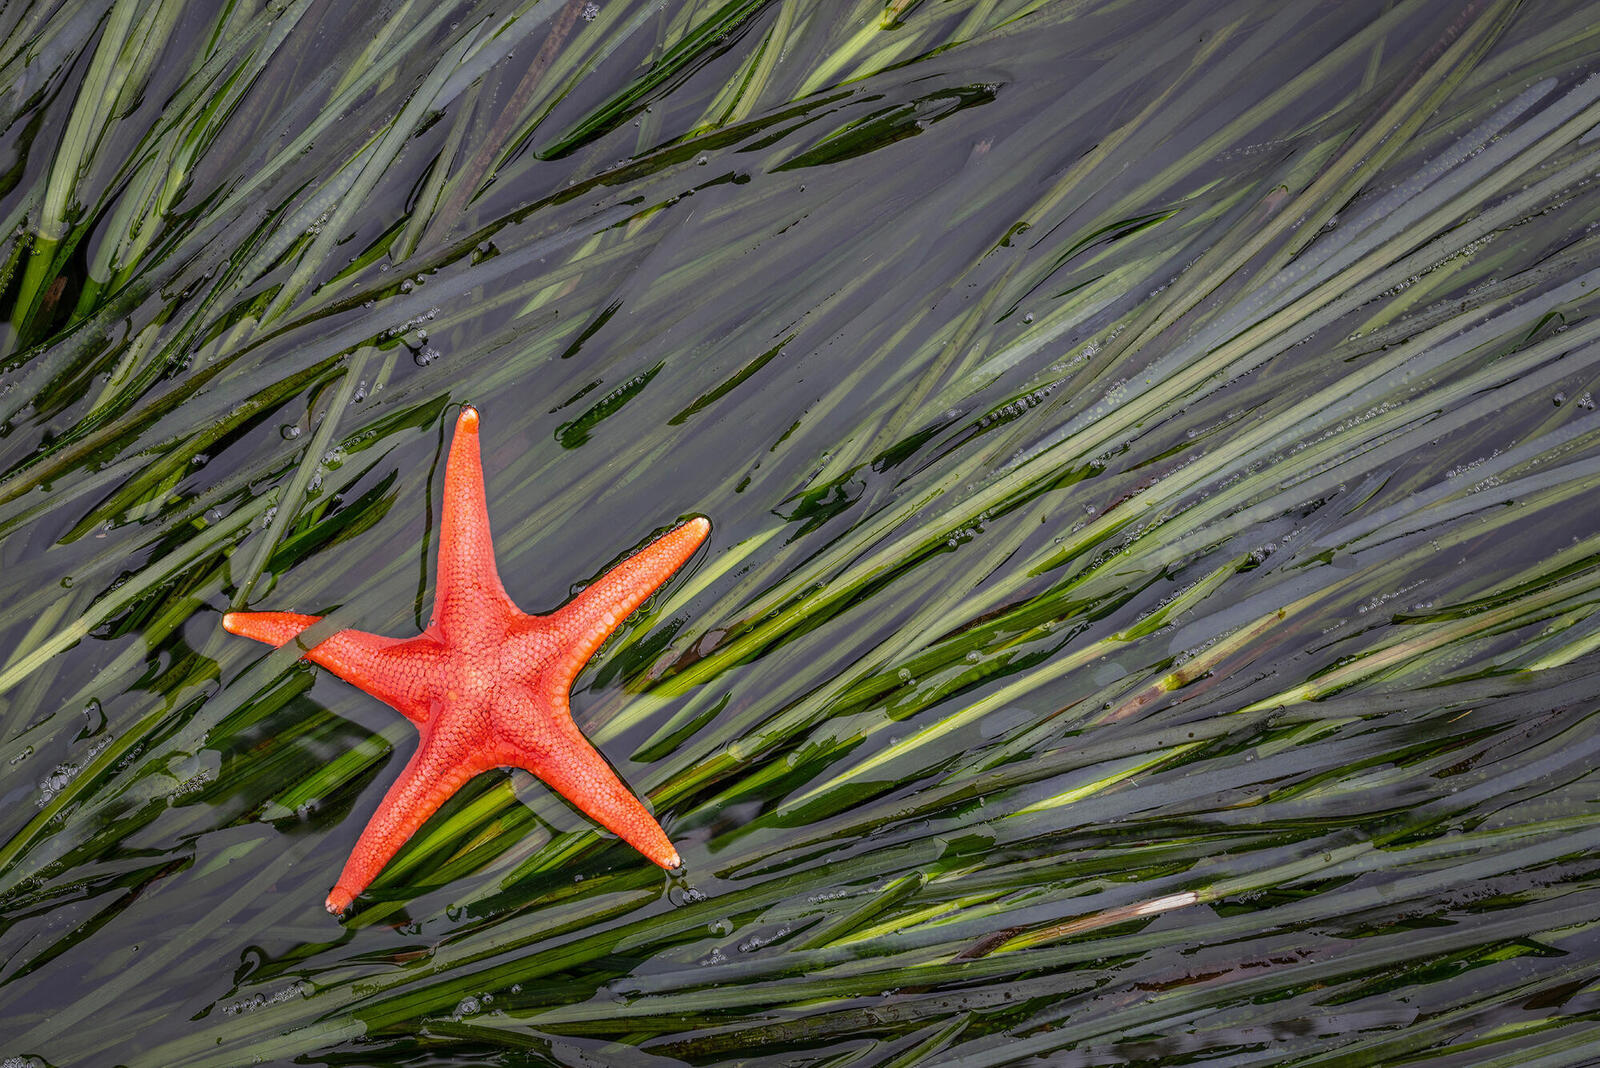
x=1150, y=612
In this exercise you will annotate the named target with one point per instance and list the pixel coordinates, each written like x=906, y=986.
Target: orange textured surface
x=487, y=684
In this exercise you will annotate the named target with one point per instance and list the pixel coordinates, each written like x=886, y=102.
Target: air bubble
x=685, y=895
x=94, y=720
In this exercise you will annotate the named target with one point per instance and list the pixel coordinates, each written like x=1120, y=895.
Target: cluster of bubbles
x=681, y=896
x=63, y=774
x=1347, y=424
x=1007, y=412
x=1195, y=432
x=822, y=896
x=1456, y=472
x=297, y=989
x=471, y=1005
x=1260, y=553
x=956, y=538
x=755, y=942
x=193, y=784
x=1183, y=656
x=1383, y=598
x=411, y=324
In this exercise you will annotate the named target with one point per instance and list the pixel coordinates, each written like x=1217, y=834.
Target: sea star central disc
x=486, y=684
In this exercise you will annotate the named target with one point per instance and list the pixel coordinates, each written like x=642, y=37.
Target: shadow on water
x=1152, y=453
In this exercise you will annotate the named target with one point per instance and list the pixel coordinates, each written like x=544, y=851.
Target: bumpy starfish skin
x=486, y=684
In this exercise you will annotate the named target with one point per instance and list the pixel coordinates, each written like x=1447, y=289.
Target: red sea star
x=486, y=684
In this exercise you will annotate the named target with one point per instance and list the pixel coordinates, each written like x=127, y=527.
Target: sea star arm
x=466, y=549
x=397, y=671
x=549, y=745
x=428, y=781
x=583, y=624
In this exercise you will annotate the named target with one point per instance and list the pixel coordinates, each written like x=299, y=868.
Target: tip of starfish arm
x=338, y=900
x=230, y=622
x=661, y=854
x=468, y=419
x=700, y=525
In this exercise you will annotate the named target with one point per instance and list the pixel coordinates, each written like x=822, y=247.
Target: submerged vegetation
x=1152, y=449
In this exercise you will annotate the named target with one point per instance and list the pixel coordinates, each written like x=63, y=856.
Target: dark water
x=1151, y=448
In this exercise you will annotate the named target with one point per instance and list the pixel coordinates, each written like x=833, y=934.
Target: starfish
x=486, y=684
